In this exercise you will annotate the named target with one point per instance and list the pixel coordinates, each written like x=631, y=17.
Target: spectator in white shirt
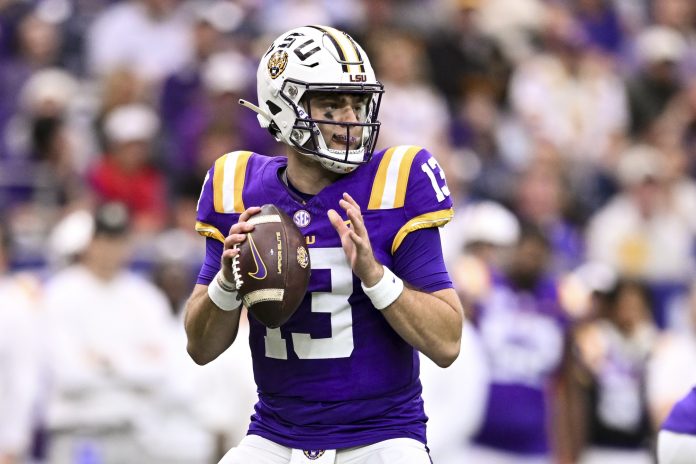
x=20, y=363
x=110, y=350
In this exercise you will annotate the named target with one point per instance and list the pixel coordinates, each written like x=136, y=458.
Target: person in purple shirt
x=524, y=335
x=676, y=442
x=338, y=382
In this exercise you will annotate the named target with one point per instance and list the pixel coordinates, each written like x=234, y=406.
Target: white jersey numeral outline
x=334, y=302
x=429, y=168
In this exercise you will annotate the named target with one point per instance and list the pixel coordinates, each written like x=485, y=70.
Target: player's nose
x=348, y=114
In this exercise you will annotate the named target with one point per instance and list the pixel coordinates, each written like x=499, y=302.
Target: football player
x=339, y=382
x=676, y=442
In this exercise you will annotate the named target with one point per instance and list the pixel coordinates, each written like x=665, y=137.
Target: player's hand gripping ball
x=271, y=271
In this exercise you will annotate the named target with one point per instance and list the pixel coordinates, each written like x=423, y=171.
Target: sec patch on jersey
x=272, y=269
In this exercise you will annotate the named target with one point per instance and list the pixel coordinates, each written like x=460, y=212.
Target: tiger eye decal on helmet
x=277, y=63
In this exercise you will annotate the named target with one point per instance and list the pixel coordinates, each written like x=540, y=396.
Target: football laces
x=236, y=274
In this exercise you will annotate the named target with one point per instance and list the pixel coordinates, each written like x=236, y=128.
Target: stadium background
x=578, y=117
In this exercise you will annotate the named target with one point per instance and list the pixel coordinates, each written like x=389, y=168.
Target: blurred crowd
x=567, y=129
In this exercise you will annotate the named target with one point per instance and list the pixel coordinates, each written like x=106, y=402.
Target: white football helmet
x=307, y=61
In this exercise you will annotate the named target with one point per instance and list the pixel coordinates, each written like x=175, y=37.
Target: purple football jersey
x=336, y=375
x=523, y=335
x=682, y=418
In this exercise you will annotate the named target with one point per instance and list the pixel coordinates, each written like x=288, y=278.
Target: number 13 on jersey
x=430, y=168
x=333, y=300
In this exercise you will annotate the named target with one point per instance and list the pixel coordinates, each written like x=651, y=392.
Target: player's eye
x=326, y=104
x=327, y=111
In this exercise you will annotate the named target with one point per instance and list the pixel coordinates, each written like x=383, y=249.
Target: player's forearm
x=430, y=322
x=209, y=330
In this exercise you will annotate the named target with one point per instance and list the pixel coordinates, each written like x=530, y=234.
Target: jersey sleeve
x=219, y=206
x=419, y=261
x=207, y=224
x=409, y=178
x=221, y=201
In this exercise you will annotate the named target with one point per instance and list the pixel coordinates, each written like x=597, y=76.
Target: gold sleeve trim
x=208, y=230
x=424, y=221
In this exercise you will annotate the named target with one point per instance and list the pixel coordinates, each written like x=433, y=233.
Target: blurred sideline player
x=676, y=442
x=339, y=382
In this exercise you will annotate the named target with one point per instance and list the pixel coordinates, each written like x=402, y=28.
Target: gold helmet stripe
x=360, y=58
x=347, y=43
x=345, y=47
x=337, y=46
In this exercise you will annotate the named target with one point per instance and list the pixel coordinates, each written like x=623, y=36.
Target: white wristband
x=386, y=291
x=222, y=292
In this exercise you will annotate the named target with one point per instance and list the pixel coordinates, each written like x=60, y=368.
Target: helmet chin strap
x=335, y=166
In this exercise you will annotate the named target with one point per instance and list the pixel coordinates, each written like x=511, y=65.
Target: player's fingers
x=362, y=245
x=349, y=199
x=230, y=253
x=347, y=205
x=234, y=239
x=248, y=213
x=352, y=213
x=357, y=240
x=336, y=221
x=241, y=228
x=357, y=222
x=226, y=260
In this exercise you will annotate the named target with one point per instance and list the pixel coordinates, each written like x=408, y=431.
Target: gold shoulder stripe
x=380, y=179
x=208, y=230
x=434, y=219
x=391, y=180
x=239, y=176
x=228, y=182
x=402, y=179
x=218, y=178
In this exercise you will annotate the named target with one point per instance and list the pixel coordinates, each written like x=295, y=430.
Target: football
x=272, y=269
